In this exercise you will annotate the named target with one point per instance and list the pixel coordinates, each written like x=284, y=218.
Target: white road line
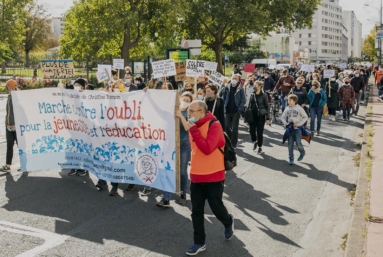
x=51, y=239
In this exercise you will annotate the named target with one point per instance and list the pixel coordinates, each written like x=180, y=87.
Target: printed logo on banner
x=146, y=168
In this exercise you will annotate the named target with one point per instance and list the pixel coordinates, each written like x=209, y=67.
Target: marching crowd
x=207, y=111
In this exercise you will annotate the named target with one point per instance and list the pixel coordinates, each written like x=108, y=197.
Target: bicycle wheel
x=271, y=114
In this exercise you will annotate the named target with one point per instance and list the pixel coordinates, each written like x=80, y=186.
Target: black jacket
x=262, y=103
x=269, y=84
x=132, y=87
x=357, y=84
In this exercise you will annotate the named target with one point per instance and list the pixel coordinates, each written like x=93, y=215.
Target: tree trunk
x=27, y=59
x=218, y=56
x=125, y=54
x=3, y=69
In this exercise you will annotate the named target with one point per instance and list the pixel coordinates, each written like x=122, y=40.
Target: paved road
x=280, y=210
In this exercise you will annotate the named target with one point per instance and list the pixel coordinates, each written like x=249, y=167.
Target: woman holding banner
x=182, y=114
x=10, y=128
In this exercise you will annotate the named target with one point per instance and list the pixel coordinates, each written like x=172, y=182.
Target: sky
x=366, y=15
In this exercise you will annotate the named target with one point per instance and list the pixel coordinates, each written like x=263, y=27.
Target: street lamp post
x=380, y=20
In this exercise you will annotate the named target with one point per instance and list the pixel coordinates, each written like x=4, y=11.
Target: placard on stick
x=57, y=69
x=195, y=68
x=249, y=67
x=104, y=72
x=217, y=78
x=328, y=74
x=164, y=68
x=118, y=64
x=181, y=71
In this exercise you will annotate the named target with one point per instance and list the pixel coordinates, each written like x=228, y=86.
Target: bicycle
x=275, y=105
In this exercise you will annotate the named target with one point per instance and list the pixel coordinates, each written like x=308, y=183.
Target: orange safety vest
x=379, y=75
x=202, y=164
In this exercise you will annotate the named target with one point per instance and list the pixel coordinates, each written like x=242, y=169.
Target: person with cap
x=10, y=127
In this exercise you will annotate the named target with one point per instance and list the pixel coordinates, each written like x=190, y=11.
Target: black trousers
x=11, y=138
x=233, y=120
x=332, y=111
x=212, y=192
x=257, y=128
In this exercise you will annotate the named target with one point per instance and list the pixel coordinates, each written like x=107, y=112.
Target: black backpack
x=229, y=153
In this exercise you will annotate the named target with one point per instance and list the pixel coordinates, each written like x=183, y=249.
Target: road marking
x=51, y=239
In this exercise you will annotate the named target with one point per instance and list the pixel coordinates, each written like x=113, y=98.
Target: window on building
x=309, y=43
x=300, y=35
x=309, y=34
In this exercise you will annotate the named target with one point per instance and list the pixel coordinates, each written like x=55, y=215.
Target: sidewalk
x=374, y=239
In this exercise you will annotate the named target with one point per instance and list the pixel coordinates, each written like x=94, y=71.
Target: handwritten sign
x=249, y=67
x=164, y=68
x=343, y=65
x=57, y=69
x=118, y=64
x=211, y=66
x=217, y=78
x=104, y=72
x=181, y=71
x=195, y=68
x=328, y=74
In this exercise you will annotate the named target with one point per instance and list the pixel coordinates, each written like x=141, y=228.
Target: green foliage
x=110, y=29
x=207, y=54
x=369, y=46
x=254, y=52
x=236, y=57
x=5, y=52
x=219, y=22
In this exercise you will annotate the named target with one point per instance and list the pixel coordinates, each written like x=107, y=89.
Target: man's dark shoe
x=229, y=231
x=163, y=203
x=114, y=191
x=131, y=187
x=72, y=172
x=195, y=249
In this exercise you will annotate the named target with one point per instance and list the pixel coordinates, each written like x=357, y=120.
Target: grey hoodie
x=294, y=114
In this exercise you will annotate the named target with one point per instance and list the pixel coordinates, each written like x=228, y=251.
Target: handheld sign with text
x=217, y=78
x=57, y=69
x=249, y=67
x=328, y=74
x=118, y=64
x=181, y=71
x=164, y=68
x=343, y=65
x=210, y=66
x=195, y=68
x=104, y=72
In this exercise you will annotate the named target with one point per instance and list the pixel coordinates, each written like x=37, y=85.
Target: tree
x=106, y=28
x=11, y=26
x=219, y=22
x=254, y=52
x=369, y=46
x=38, y=27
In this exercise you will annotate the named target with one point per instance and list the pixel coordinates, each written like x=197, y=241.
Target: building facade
x=344, y=44
x=57, y=27
x=354, y=34
x=324, y=39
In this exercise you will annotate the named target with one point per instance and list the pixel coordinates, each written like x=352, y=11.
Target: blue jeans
x=346, y=113
x=185, y=158
x=315, y=112
x=283, y=102
x=295, y=136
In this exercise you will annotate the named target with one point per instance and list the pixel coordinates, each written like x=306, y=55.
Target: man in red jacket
x=285, y=84
x=207, y=173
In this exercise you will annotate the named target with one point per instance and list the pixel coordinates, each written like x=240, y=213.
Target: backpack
x=229, y=153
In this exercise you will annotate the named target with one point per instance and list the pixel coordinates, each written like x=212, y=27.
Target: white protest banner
x=211, y=66
x=104, y=72
x=164, y=68
x=118, y=64
x=343, y=65
x=310, y=67
x=328, y=74
x=304, y=67
x=217, y=78
x=123, y=138
x=57, y=69
x=195, y=68
x=348, y=71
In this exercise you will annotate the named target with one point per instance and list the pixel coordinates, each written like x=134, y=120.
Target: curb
x=358, y=226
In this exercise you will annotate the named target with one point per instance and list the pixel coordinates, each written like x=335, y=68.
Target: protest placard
x=348, y=71
x=217, y=78
x=164, y=68
x=181, y=71
x=210, y=66
x=195, y=68
x=249, y=67
x=310, y=68
x=304, y=67
x=104, y=72
x=118, y=64
x=122, y=138
x=57, y=69
x=343, y=65
x=328, y=73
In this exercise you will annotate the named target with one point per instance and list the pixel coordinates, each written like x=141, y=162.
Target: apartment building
x=354, y=34
x=57, y=26
x=324, y=39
